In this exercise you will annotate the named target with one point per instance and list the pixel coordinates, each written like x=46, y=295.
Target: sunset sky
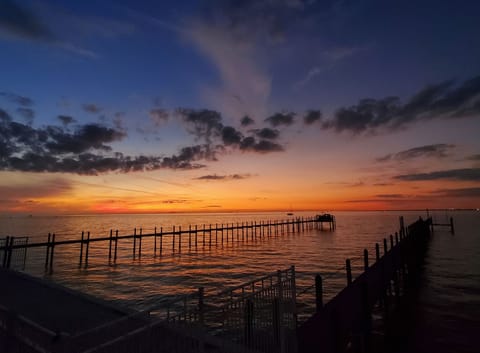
x=160, y=106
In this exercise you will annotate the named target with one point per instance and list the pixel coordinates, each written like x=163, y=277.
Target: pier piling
x=318, y=293
x=348, y=267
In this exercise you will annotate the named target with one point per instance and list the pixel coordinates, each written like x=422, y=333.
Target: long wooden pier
x=174, y=240
x=344, y=324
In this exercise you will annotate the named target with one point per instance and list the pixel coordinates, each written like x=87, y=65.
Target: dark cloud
x=15, y=98
x=230, y=136
x=207, y=125
x=263, y=146
x=86, y=137
x=279, y=119
x=463, y=192
x=223, y=177
x=267, y=133
x=436, y=151
x=174, y=201
x=442, y=100
x=390, y=196
x=203, y=124
x=467, y=174
x=312, y=116
x=27, y=114
x=187, y=156
x=247, y=121
x=86, y=150
x=92, y=108
x=18, y=21
x=66, y=120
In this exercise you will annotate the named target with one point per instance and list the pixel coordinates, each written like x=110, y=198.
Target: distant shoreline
x=28, y=215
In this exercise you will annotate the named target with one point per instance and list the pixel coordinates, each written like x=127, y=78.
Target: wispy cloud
x=466, y=174
x=17, y=99
x=439, y=150
x=279, y=119
x=19, y=22
x=216, y=177
x=462, y=192
x=311, y=74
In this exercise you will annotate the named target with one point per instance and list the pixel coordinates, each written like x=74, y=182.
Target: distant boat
x=289, y=214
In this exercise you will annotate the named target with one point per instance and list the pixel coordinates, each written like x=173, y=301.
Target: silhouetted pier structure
x=345, y=323
x=327, y=218
x=258, y=316
x=177, y=239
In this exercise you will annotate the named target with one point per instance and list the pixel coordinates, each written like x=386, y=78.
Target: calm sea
x=449, y=301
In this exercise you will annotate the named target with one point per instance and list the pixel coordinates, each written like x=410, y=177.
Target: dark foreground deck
x=54, y=307
x=37, y=316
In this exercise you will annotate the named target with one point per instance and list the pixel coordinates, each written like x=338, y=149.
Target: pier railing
x=175, y=240
x=259, y=315
x=346, y=321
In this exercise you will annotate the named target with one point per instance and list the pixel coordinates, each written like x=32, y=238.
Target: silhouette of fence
x=175, y=240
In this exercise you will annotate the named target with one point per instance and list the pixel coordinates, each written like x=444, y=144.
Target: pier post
x=179, y=238
x=396, y=238
x=47, y=257
x=161, y=240
x=391, y=241
x=377, y=252
x=210, y=235
x=348, y=267
x=173, y=239
x=140, y=244
x=365, y=259
x=116, y=247
x=189, y=236
x=402, y=226
x=110, y=246
x=155, y=242
x=9, y=246
x=204, y=235
x=87, y=249
x=81, y=250
x=318, y=293
x=196, y=236
x=452, y=229
x=385, y=246
x=51, y=251
x=134, y=241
